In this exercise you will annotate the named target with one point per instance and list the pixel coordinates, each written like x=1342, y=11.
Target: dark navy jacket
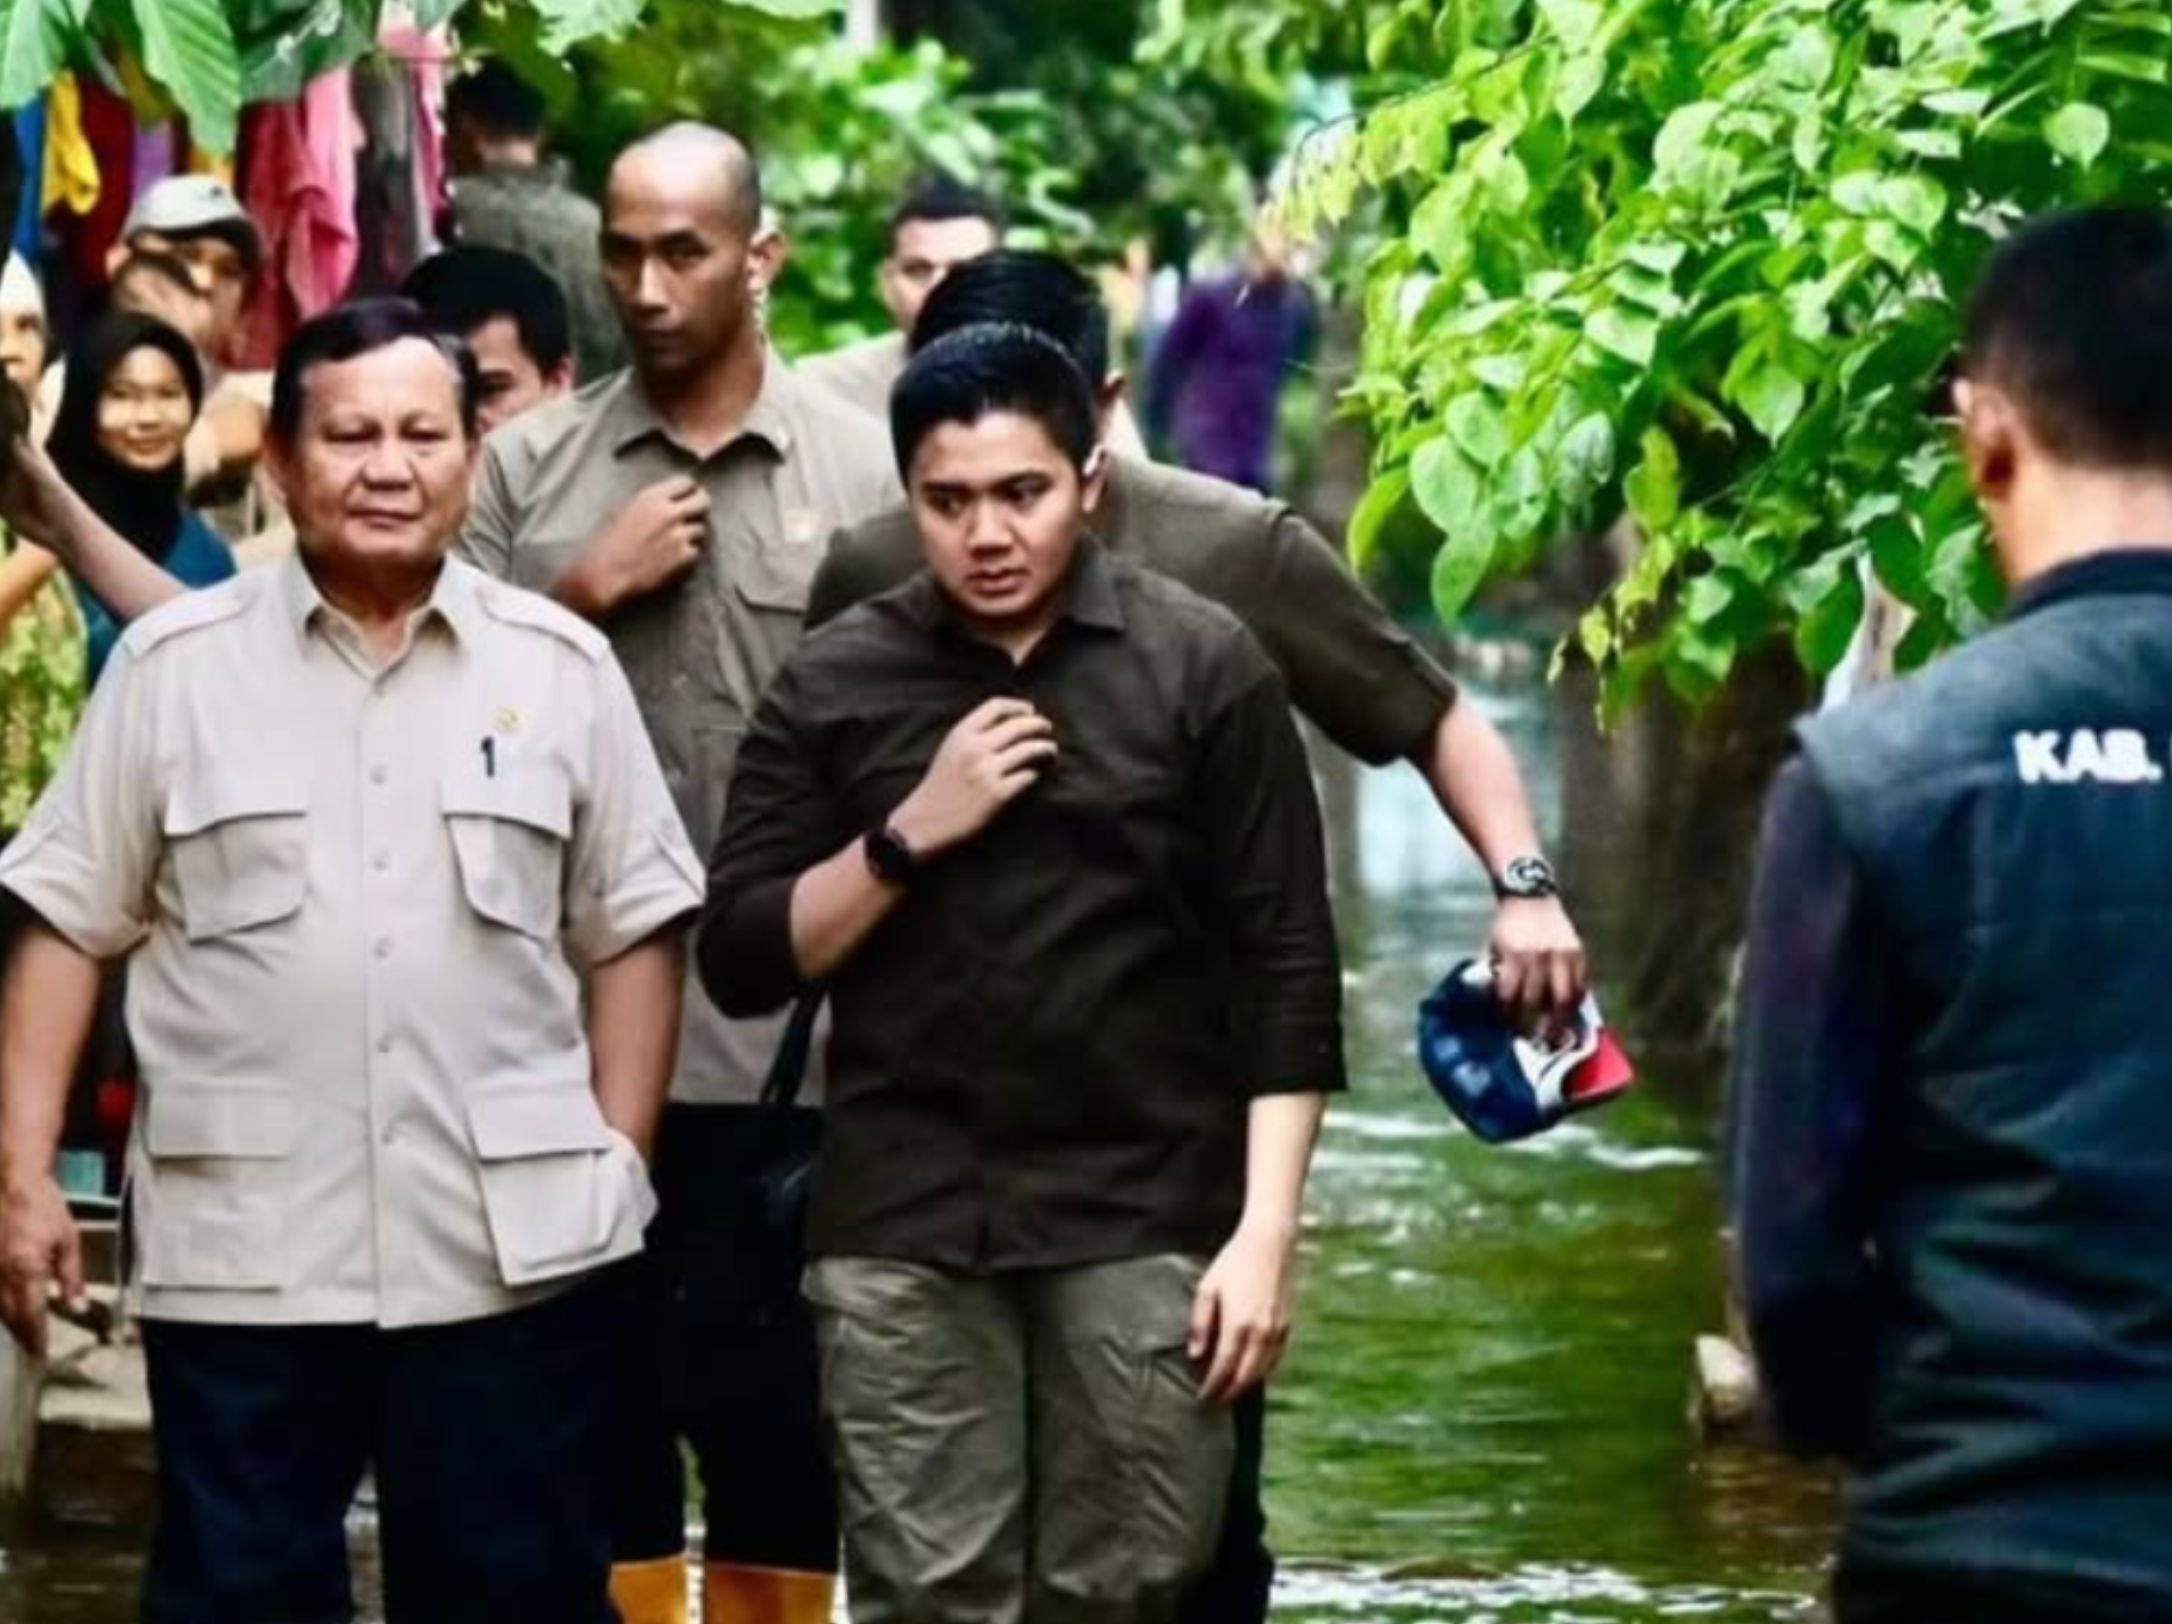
x=1953, y=1118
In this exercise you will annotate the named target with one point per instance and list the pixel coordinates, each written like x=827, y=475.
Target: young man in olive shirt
x=1040, y=822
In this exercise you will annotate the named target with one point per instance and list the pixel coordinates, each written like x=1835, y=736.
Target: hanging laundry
x=109, y=126
x=70, y=169
x=395, y=230
x=27, y=234
x=298, y=183
x=157, y=156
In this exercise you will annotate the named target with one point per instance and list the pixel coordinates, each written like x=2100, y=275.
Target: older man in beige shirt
x=399, y=882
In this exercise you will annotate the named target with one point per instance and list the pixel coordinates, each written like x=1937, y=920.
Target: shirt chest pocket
x=239, y=846
x=510, y=820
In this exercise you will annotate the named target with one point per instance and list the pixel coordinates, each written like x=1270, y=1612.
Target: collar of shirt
x=1088, y=597
x=632, y=419
x=2113, y=573
x=451, y=601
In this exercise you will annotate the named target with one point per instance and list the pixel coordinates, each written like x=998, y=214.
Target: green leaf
x=1574, y=22
x=1458, y=569
x=1583, y=76
x=2079, y=132
x=1770, y=396
x=1916, y=201
x=1446, y=486
x=1682, y=138
x=1625, y=331
x=1585, y=458
x=188, y=47
x=1477, y=426
x=30, y=50
x=1654, y=487
x=1823, y=635
x=566, y=23
x=1382, y=497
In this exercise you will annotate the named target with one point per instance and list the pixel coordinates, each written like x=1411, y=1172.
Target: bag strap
x=788, y=1070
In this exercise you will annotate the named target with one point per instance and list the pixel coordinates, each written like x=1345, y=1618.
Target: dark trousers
x=486, y=1438
x=1237, y=1588
x=1868, y=1595
x=727, y=1361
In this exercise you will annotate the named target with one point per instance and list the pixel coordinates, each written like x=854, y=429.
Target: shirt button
x=382, y=861
x=383, y=949
x=384, y=1043
x=378, y=775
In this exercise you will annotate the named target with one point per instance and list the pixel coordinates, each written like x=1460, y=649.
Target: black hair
x=145, y=507
x=1042, y=291
x=940, y=197
x=356, y=329
x=494, y=97
x=2073, y=318
x=143, y=264
x=993, y=367
x=468, y=287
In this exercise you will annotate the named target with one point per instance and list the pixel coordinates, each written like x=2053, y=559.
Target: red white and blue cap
x=1503, y=1086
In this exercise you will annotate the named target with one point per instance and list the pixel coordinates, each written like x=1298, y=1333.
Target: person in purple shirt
x=1216, y=380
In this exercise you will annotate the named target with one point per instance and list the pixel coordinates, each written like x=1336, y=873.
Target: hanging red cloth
x=298, y=184
x=109, y=126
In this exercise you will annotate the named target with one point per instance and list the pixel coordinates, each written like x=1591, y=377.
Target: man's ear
x=1110, y=396
x=562, y=379
x=1094, y=477
x=767, y=256
x=1991, y=438
x=116, y=257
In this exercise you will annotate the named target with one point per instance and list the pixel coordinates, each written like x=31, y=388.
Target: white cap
x=192, y=205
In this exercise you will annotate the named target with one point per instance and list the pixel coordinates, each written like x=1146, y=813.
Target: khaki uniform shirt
x=861, y=373
x=700, y=653
x=358, y=902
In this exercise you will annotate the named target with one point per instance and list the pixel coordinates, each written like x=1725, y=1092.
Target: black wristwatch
x=889, y=858
x=1526, y=878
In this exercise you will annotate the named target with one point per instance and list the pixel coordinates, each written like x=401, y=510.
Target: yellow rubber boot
x=650, y=1592
x=731, y=1594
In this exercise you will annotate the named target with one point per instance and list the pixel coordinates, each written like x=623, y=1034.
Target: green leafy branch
x=1697, y=264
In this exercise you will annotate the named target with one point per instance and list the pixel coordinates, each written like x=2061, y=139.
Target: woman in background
x=134, y=390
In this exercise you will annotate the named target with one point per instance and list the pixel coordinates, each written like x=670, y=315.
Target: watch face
x=1529, y=877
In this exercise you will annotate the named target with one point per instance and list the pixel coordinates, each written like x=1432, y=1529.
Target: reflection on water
x=1484, y=1418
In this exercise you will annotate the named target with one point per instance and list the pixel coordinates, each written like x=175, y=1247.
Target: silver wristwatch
x=1526, y=877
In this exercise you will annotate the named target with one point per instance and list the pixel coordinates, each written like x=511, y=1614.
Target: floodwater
x=1484, y=1417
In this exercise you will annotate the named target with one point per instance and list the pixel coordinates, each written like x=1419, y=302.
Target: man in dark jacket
x=1953, y=1136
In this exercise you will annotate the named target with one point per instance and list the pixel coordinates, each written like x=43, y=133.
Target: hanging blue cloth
x=27, y=236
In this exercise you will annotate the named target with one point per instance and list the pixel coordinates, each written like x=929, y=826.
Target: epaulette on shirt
x=512, y=606
x=192, y=612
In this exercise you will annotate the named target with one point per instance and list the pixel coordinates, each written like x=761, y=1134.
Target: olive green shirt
x=698, y=653
x=1350, y=670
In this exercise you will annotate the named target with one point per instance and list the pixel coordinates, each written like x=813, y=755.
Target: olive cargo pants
x=1020, y=1446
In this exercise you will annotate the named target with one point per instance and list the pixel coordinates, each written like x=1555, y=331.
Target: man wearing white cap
x=198, y=220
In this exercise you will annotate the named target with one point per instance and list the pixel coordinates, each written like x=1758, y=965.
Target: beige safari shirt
x=357, y=903
x=861, y=373
x=700, y=653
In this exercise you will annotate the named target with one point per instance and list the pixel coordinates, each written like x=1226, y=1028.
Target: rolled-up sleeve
x=780, y=821
x=1263, y=822
x=633, y=871
x=86, y=860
